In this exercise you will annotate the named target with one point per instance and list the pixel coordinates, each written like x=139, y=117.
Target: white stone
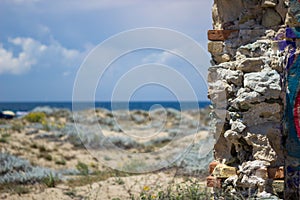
x=246, y=99
x=232, y=136
x=231, y=76
x=237, y=126
x=218, y=92
x=269, y=3
x=262, y=149
x=266, y=83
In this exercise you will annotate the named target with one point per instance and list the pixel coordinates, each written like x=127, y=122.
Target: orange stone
x=219, y=35
x=213, y=182
x=276, y=173
x=212, y=166
x=279, y=173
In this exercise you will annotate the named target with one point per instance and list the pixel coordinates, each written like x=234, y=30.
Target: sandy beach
x=102, y=154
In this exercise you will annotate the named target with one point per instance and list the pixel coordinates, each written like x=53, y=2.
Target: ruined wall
x=253, y=85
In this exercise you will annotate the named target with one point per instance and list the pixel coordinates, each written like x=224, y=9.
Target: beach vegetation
x=35, y=117
x=46, y=156
x=82, y=168
x=14, y=188
x=16, y=170
x=50, y=180
x=190, y=189
x=42, y=148
x=96, y=176
x=61, y=161
x=17, y=127
x=4, y=137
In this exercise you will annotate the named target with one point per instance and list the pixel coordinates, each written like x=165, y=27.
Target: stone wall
x=253, y=86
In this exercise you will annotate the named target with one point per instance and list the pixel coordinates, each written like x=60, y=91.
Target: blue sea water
x=28, y=106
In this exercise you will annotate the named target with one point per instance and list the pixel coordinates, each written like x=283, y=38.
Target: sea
x=135, y=105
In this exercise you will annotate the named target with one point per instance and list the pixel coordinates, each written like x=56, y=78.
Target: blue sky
x=44, y=42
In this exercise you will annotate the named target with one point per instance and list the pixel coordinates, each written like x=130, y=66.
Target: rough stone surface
x=271, y=18
x=246, y=98
x=215, y=47
x=282, y=8
x=224, y=171
x=247, y=90
x=251, y=65
x=231, y=76
x=262, y=113
x=266, y=83
x=220, y=35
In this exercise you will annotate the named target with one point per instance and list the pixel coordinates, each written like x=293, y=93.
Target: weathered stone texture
x=249, y=50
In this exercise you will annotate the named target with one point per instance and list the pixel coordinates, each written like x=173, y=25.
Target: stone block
x=224, y=171
x=271, y=18
x=251, y=65
x=221, y=58
x=215, y=47
x=281, y=9
x=278, y=186
x=263, y=113
x=219, y=35
x=237, y=126
x=246, y=98
x=231, y=76
x=264, y=82
x=262, y=173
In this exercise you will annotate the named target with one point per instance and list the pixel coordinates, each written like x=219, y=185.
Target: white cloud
x=34, y=53
x=161, y=57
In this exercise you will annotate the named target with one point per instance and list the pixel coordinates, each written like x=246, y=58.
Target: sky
x=44, y=44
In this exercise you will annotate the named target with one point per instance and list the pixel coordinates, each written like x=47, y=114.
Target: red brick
x=213, y=182
x=276, y=173
x=219, y=35
x=279, y=173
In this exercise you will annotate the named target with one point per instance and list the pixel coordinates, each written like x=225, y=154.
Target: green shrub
x=34, y=146
x=36, y=117
x=46, y=156
x=82, y=168
x=50, y=181
x=119, y=181
x=3, y=140
x=17, y=127
x=4, y=137
x=60, y=162
x=42, y=148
